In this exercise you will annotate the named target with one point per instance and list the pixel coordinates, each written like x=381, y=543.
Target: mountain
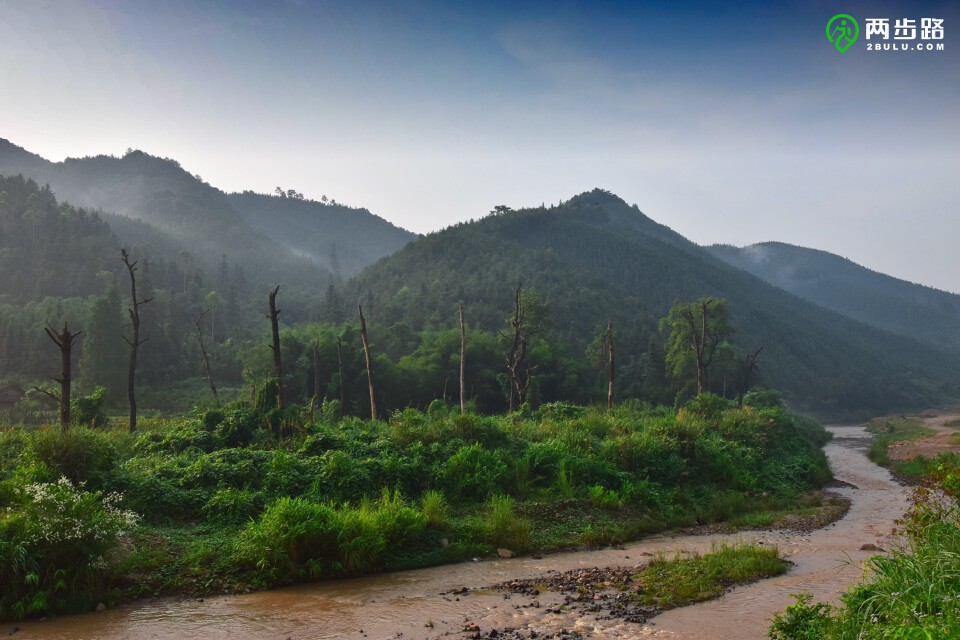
x=595, y=258
x=275, y=239
x=845, y=287
x=341, y=238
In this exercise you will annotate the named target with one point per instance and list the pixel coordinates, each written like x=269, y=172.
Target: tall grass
x=912, y=593
x=503, y=527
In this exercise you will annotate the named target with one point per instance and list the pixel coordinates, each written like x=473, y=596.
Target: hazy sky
x=729, y=122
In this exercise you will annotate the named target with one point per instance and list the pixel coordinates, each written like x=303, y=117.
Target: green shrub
x=289, y=533
x=434, y=507
x=603, y=498
x=81, y=454
x=53, y=547
x=233, y=506
x=88, y=410
x=503, y=527
x=473, y=473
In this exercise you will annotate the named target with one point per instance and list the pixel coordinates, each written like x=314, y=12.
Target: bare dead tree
x=608, y=343
x=275, y=328
x=366, y=354
x=206, y=358
x=343, y=396
x=516, y=357
x=63, y=340
x=745, y=374
x=463, y=360
x=136, y=340
x=315, y=353
x=705, y=338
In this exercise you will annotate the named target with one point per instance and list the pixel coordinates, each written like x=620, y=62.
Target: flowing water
x=420, y=604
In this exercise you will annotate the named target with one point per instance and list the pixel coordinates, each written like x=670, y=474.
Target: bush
x=53, y=547
x=503, y=527
x=473, y=473
x=291, y=532
x=233, y=506
x=80, y=454
x=88, y=410
x=295, y=539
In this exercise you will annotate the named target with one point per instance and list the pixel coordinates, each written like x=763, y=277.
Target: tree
x=212, y=302
x=526, y=321
x=608, y=347
x=463, y=364
x=206, y=358
x=64, y=340
x=103, y=358
x=366, y=354
x=275, y=344
x=697, y=330
x=135, y=341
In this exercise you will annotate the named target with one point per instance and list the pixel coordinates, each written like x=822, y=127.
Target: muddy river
x=421, y=604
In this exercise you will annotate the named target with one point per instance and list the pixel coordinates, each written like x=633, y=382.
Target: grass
x=912, y=593
x=681, y=581
x=891, y=429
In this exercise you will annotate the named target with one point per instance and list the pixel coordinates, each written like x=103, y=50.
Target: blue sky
x=733, y=123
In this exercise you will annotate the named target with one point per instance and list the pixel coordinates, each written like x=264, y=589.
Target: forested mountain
x=276, y=239
x=844, y=286
x=595, y=258
x=341, y=238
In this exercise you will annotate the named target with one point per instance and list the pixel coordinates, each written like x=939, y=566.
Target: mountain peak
x=616, y=212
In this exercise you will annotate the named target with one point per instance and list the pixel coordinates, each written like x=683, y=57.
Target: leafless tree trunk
x=315, y=353
x=746, y=379
x=610, y=353
x=135, y=341
x=699, y=338
x=275, y=328
x=518, y=352
x=343, y=397
x=64, y=340
x=463, y=361
x=206, y=358
x=366, y=353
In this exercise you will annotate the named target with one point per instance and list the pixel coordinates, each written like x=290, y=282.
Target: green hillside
x=842, y=285
x=595, y=258
x=342, y=239
x=276, y=239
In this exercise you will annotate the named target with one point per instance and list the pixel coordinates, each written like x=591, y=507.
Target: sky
x=730, y=123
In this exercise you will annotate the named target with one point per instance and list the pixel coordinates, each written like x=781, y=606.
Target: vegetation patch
x=636, y=593
x=225, y=502
x=684, y=580
x=891, y=429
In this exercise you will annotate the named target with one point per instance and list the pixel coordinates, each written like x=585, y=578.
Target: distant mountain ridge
x=270, y=234
x=843, y=286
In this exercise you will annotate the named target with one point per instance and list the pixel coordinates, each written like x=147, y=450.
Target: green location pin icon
x=842, y=31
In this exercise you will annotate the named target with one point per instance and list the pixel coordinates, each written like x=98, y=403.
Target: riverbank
x=222, y=503
x=826, y=561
